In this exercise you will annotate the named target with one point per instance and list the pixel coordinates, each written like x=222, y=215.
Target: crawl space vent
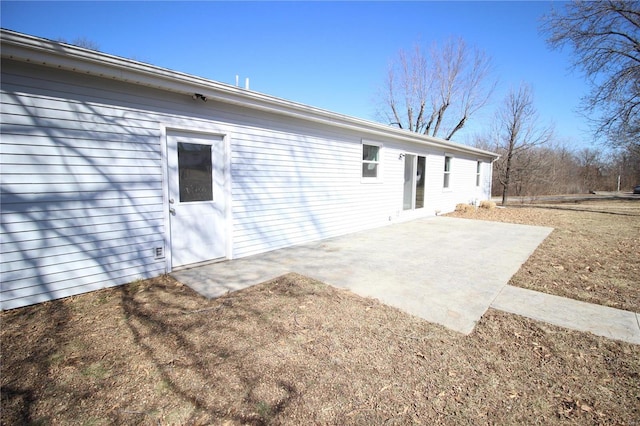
x=158, y=253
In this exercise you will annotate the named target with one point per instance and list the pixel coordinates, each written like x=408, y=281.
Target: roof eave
x=44, y=52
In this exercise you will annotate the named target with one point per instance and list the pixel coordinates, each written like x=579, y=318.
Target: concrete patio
x=442, y=269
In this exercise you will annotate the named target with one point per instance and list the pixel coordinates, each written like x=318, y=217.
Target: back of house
x=114, y=170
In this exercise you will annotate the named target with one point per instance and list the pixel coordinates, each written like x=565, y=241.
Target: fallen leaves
x=589, y=247
x=321, y=355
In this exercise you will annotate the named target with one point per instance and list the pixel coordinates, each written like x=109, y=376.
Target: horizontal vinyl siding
x=82, y=204
x=82, y=180
x=462, y=182
x=294, y=188
x=485, y=181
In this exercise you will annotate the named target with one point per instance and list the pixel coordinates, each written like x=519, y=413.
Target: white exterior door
x=197, y=203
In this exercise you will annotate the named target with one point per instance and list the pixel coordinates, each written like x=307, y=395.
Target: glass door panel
x=414, y=182
x=419, y=175
x=407, y=197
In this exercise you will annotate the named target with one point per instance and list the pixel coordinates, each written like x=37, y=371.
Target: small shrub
x=464, y=208
x=486, y=204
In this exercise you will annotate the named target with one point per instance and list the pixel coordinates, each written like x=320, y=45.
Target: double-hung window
x=447, y=172
x=371, y=168
x=478, y=171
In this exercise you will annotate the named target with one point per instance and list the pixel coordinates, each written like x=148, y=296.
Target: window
x=370, y=161
x=447, y=171
x=195, y=172
x=478, y=169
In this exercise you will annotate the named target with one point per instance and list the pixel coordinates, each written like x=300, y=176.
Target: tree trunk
x=507, y=177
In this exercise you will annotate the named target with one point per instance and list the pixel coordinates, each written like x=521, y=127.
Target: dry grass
x=296, y=351
x=486, y=204
x=464, y=208
x=592, y=255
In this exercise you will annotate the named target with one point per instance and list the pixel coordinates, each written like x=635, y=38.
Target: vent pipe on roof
x=246, y=83
x=237, y=80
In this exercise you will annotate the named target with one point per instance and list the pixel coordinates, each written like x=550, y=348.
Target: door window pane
x=194, y=171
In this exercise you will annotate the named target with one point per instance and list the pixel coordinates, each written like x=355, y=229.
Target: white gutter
x=26, y=48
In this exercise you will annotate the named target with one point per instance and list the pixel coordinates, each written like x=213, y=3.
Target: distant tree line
x=604, y=38
x=532, y=162
x=554, y=168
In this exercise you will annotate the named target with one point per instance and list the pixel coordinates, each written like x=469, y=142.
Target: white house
x=113, y=170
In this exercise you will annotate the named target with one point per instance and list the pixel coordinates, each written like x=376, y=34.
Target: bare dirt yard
x=296, y=351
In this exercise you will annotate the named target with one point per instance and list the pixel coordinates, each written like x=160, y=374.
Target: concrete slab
x=600, y=320
x=445, y=270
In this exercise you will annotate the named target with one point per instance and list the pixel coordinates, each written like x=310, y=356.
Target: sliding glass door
x=414, y=168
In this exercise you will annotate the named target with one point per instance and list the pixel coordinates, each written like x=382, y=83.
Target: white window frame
x=446, y=178
x=478, y=173
x=378, y=162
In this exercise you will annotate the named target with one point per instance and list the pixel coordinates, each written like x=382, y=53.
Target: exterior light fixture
x=202, y=97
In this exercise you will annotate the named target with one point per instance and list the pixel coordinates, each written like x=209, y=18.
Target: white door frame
x=412, y=210
x=165, y=130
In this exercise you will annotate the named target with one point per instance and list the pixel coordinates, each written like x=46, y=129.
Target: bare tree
x=436, y=93
x=605, y=37
x=554, y=168
x=82, y=42
x=590, y=163
x=627, y=164
x=518, y=131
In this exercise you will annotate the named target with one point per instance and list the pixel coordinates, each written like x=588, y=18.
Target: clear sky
x=331, y=55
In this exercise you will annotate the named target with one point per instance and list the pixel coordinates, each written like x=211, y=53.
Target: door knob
x=172, y=211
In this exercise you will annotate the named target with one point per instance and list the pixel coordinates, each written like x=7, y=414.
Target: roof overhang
x=40, y=51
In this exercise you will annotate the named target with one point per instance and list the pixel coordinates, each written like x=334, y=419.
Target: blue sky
x=331, y=55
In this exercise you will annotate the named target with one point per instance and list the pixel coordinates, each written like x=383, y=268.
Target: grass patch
x=297, y=351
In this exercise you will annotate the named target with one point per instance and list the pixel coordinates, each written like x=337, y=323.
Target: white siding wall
x=83, y=189
x=289, y=189
x=462, y=181
x=81, y=196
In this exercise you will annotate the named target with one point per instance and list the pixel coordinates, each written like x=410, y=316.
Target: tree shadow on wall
x=81, y=196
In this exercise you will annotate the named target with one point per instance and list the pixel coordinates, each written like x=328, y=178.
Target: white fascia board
x=44, y=52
